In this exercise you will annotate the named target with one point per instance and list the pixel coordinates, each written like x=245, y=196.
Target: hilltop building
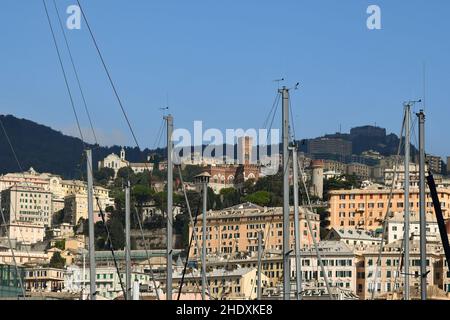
x=116, y=163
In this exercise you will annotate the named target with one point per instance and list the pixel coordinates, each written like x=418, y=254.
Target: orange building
x=366, y=208
x=235, y=229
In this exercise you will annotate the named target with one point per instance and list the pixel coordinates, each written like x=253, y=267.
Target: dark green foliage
x=57, y=261
x=261, y=198
x=103, y=176
x=230, y=197
x=61, y=244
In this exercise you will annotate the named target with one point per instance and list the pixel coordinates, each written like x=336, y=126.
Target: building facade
x=366, y=208
x=235, y=230
x=27, y=203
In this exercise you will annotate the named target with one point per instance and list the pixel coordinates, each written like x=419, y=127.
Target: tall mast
x=423, y=230
x=128, y=242
x=286, y=225
x=90, y=200
x=205, y=195
x=298, y=267
x=406, y=200
x=259, y=291
x=169, y=120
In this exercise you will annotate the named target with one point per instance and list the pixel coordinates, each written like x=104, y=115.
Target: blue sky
x=216, y=61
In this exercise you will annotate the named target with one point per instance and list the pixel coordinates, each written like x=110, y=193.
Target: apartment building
x=77, y=280
x=362, y=171
x=27, y=203
x=396, y=229
x=44, y=279
x=75, y=206
x=235, y=230
x=339, y=261
x=366, y=208
x=22, y=257
x=388, y=277
x=25, y=233
x=396, y=175
x=53, y=185
x=435, y=163
x=237, y=284
x=335, y=166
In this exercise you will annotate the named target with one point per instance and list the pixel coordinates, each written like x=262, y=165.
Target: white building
x=353, y=237
x=396, y=229
x=115, y=162
x=400, y=175
x=77, y=280
x=339, y=261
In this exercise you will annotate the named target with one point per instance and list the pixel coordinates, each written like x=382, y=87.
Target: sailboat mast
x=286, y=223
x=423, y=230
x=406, y=200
x=128, y=241
x=169, y=120
x=298, y=276
x=90, y=201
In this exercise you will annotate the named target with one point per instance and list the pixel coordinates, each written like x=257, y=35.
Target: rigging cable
x=193, y=223
x=187, y=258
x=12, y=254
x=147, y=254
x=111, y=247
x=64, y=74
x=108, y=74
x=386, y=217
x=76, y=73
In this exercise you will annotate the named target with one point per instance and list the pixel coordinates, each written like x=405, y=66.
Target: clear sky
x=216, y=61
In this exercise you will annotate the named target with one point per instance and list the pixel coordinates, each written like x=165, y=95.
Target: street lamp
x=203, y=180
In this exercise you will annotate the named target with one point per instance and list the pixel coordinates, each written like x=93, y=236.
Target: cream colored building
x=27, y=203
x=26, y=233
x=23, y=257
x=42, y=279
x=388, y=277
x=360, y=170
x=58, y=188
x=235, y=230
x=397, y=173
x=115, y=162
x=76, y=206
x=238, y=284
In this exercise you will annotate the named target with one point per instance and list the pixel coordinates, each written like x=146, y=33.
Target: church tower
x=122, y=154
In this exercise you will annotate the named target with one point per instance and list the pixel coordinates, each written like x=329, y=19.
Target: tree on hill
x=230, y=197
x=103, y=176
x=57, y=261
x=260, y=198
